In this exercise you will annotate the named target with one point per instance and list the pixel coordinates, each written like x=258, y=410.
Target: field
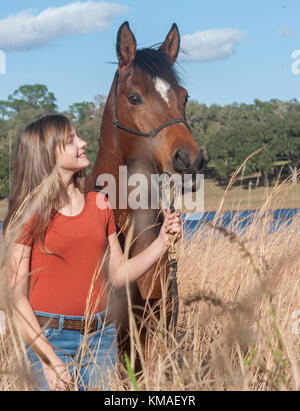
x=239, y=198
x=239, y=318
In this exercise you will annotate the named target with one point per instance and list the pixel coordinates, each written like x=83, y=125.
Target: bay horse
x=144, y=128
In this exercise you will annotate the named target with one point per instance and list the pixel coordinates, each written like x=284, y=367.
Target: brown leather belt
x=83, y=326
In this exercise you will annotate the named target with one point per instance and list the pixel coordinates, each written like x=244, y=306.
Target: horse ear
x=171, y=45
x=126, y=46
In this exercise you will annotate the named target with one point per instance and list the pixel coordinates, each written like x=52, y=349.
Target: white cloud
x=27, y=29
x=209, y=45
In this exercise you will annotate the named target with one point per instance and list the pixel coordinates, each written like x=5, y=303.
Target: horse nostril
x=181, y=160
x=200, y=161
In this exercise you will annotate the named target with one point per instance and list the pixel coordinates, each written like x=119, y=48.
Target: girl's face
x=72, y=158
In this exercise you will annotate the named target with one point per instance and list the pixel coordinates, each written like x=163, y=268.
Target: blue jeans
x=90, y=358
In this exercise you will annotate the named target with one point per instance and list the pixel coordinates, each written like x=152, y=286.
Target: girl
x=62, y=246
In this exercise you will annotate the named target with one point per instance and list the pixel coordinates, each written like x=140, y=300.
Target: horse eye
x=135, y=99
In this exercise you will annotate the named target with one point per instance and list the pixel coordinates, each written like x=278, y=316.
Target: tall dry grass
x=237, y=328
x=239, y=324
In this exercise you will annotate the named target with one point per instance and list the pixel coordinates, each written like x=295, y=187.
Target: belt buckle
x=86, y=326
x=82, y=326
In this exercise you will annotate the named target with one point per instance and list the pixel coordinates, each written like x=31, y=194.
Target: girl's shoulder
x=27, y=229
x=99, y=198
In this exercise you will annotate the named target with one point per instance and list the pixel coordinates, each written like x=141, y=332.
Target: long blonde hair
x=35, y=178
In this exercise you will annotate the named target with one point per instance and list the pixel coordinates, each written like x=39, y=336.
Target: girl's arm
x=134, y=268
x=25, y=317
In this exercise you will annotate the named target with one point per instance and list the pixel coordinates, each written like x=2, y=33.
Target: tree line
x=228, y=134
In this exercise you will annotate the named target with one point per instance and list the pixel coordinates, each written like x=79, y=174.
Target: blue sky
x=236, y=50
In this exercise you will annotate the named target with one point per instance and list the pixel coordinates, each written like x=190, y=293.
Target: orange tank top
x=66, y=282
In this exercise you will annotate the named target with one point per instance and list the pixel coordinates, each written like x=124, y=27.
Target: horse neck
x=109, y=156
x=108, y=161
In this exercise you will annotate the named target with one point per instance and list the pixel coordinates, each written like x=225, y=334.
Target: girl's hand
x=57, y=376
x=171, y=225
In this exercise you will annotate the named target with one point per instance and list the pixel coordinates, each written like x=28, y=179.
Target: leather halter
x=153, y=133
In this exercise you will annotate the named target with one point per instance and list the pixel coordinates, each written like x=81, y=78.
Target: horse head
x=150, y=108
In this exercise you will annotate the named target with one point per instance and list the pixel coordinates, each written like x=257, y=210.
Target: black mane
x=157, y=64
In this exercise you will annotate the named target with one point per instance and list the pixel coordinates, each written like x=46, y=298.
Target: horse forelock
x=158, y=65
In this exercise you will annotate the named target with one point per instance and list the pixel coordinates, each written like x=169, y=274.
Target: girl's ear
x=171, y=45
x=126, y=46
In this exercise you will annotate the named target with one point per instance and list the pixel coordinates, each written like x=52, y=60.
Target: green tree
x=82, y=111
x=5, y=109
x=25, y=105
x=288, y=137
x=242, y=130
x=87, y=119
x=35, y=96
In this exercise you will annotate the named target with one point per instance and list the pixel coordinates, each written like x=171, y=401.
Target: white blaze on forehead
x=162, y=87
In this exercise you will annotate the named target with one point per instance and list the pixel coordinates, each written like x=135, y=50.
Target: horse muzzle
x=184, y=166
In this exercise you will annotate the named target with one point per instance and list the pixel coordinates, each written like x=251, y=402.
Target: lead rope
x=173, y=260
